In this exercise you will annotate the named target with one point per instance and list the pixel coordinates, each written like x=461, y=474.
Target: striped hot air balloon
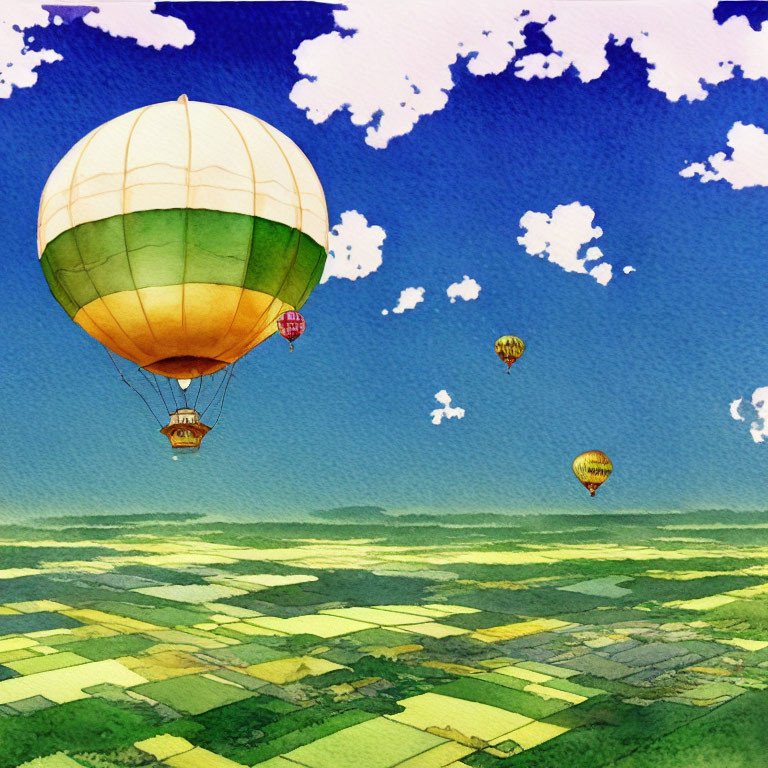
x=592, y=469
x=509, y=349
x=178, y=233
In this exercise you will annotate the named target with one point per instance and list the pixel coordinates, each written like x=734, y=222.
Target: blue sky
x=643, y=368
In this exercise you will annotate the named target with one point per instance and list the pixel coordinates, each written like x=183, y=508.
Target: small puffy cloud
x=136, y=20
x=409, y=298
x=758, y=428
x=354, y=248
x=560, y=237
x=602, y=273
x=468, y=289
x=628, y=269
x=447, y=411
x=388, y=63
x=744, y=165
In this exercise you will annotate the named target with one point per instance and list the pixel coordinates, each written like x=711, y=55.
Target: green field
x=635, y=641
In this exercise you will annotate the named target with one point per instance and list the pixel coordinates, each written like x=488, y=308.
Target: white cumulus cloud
x=468, y=289
x=745, y=165
x=388, y=61
x=409, y=298
x=17, y=62
x=354, y=248
x=447, y=411
x=629, y=269
x=560, y=236
x=138, y=21
x=758, y=428
x=135, y=20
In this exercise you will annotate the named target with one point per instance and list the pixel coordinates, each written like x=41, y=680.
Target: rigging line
x=157, y=389
x=221, y=404
x=122, y=376
x=215, y=387
x=184, y=392
x=154, y=388
x=199, y=390
x=173, y=394
x=213, y=400
x=162, y=397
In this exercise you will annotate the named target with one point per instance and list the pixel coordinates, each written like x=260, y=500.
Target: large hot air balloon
x=592, y=469
x=509, y=349
x=291, y=325
x=178, y=233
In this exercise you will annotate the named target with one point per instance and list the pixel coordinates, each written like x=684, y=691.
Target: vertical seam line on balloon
x=82, y=260
x=185, y=104
x=324, y=244
x=122, y=221
x=297, y=226
x=268, y=308
x=86, y=139
x=250, y=242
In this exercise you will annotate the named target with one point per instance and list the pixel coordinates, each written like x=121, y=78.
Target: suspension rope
x=221, y=404
x=157, y=388
x=122, y=376
x=199, y=390
x=213, y=399
x=173, y=395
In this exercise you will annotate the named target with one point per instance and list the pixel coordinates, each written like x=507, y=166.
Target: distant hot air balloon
x=178, y=233
x=291, y=325
x=509, y=349
x=592, y=469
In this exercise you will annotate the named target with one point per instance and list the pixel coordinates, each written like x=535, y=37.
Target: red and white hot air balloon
x=291, y=325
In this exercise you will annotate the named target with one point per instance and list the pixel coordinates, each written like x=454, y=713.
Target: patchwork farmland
x=409, y=642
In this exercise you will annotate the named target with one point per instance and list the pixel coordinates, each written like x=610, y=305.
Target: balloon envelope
x=592, y=469
x=178, y=233
x=509, y=348
x=291, y=325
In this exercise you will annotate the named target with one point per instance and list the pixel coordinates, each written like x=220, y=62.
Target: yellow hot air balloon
x=509, y=349
x=592, y=469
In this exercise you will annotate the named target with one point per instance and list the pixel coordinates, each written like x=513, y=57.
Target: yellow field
x=16, y=643
x=433, y=710
x=375, y=616
x=163, y=746
x=523, y=674
x=63, y=685
x=283, y=671
x=201, y=758
x=438, y=757
x=109, y=620
x=702, y=603
x=322, y=625
x=519, y=629
x=433, y=629
x=747, y=645
x=535, y=733
x=37, y=606
x=163, y=665
x=553, y=693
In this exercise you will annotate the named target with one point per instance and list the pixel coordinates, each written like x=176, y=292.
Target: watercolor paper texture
x=384, y=384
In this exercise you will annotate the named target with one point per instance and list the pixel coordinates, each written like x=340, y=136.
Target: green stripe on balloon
x=181, y=245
